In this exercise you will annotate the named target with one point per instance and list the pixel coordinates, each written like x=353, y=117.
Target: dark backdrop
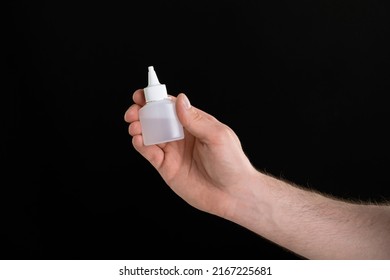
x=303, y=83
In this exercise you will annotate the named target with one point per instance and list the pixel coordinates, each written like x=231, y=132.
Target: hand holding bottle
x=207, y=168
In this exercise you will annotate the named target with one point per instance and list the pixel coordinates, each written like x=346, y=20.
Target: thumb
x=195, y=121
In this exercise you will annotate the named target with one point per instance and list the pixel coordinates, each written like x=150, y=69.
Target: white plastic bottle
x=159, y=122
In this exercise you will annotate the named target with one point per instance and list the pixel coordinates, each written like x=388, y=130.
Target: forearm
x=313, y=225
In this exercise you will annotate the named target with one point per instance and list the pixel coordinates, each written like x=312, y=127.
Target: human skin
x=210, y=171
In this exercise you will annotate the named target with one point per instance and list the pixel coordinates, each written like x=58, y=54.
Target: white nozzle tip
x=154, y=91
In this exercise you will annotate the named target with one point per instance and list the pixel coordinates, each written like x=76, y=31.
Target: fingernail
x=187, y=103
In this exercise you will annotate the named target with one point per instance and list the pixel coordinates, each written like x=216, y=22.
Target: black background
x=304, y=84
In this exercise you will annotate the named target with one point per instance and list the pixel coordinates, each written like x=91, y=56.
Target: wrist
x=249, y=206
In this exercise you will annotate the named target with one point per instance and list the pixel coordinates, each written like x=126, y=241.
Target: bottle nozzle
x=152, y=77
x=154, y=91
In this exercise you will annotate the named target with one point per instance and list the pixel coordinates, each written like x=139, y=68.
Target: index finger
x=139, y=97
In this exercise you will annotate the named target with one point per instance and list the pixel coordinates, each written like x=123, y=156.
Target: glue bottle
x=159, y=122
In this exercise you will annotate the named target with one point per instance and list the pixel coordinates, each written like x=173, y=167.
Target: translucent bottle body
x=159, y=122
